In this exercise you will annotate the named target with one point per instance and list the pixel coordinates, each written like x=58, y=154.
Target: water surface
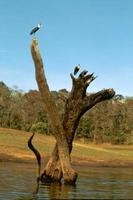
x=18, y=182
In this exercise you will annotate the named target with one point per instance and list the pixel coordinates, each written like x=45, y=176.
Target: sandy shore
x=76, y=161
x=14, y=148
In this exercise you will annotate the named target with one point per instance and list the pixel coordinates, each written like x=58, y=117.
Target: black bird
x=37, y=154
x=76, y=69
x=34, y=30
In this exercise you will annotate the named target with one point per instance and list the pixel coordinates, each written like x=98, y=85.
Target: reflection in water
x=59, y=191
x=27, y=198
x=18, y=182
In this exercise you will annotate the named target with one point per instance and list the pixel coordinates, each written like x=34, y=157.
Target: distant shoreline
x=76, y=162
x=14, y=148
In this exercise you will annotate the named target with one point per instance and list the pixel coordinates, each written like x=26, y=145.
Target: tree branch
x=95, y=98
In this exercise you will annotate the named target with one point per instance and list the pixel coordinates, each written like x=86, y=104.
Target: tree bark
x=68, y=172
x=76, y=105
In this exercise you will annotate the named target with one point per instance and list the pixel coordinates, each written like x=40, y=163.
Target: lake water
x=17, y=182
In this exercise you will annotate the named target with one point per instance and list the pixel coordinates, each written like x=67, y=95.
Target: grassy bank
x=13, y=147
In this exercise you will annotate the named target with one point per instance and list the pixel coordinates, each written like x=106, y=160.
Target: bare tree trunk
x=76, y=105
x=69, y=174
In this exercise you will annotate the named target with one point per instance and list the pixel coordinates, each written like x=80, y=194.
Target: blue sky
x=97, y=34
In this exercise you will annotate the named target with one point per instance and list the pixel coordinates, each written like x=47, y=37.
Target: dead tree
x=59, y=165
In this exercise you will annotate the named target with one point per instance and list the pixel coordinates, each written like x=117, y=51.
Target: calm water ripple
x=17, y=182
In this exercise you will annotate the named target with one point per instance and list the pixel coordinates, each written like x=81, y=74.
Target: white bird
x=34, y=30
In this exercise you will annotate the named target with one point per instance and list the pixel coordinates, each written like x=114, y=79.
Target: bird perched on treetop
x=76, y=69
x=34, y=30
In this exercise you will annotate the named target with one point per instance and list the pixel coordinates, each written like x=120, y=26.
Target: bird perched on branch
x=76, y=69
x=34, y=30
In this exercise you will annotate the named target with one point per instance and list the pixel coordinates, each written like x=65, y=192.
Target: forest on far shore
x=110, y=121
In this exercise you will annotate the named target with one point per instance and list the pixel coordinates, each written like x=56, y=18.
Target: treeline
x=110, y=121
